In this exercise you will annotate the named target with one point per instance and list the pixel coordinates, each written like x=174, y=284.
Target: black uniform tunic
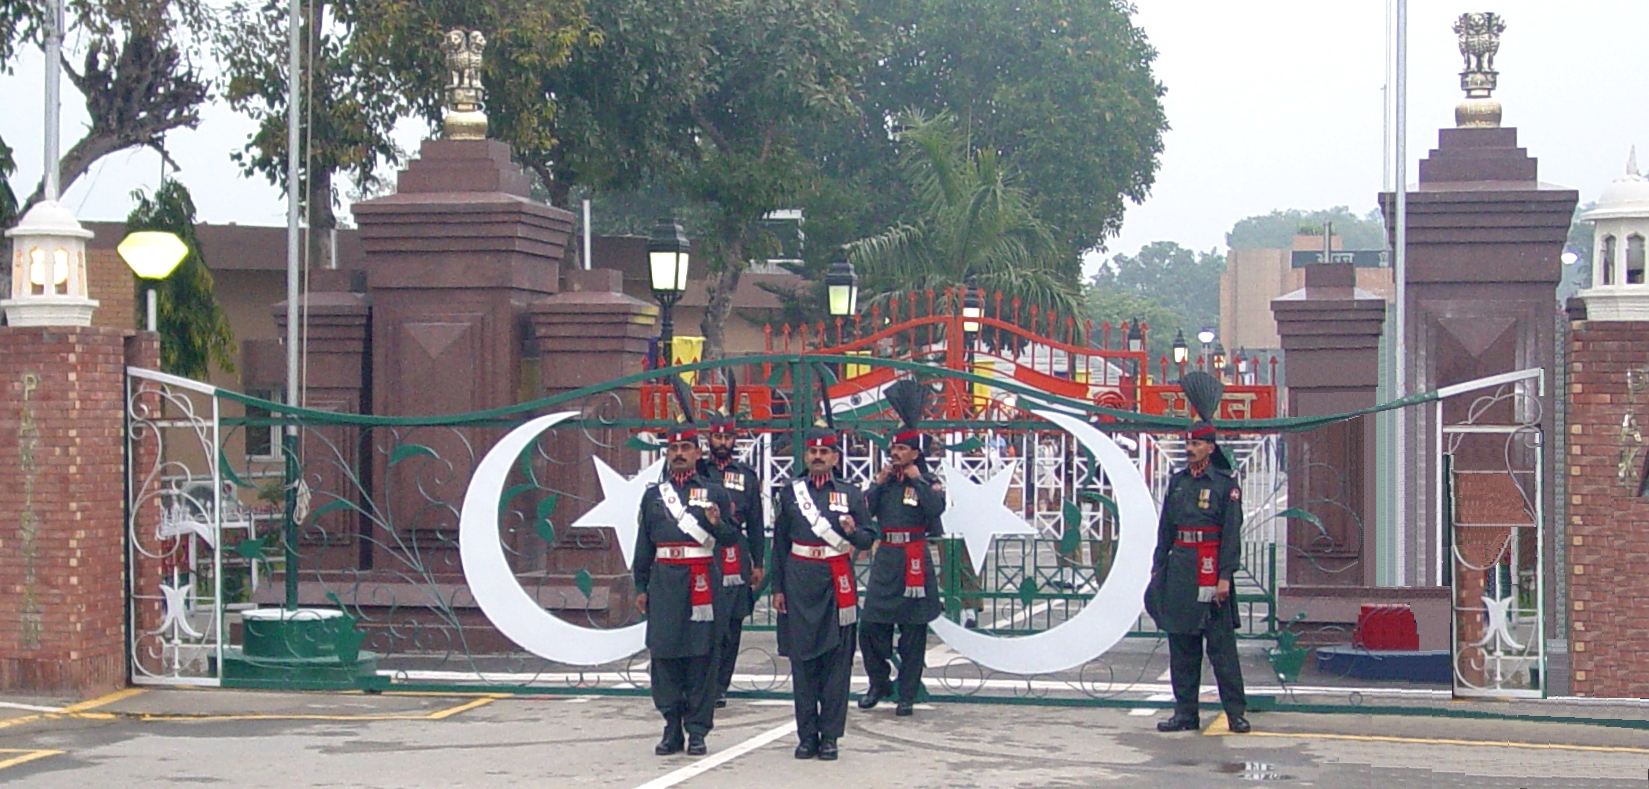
x=683, y=652
x=743, y=486
x=1212, y=499
x=820, y=649
x=903, y=504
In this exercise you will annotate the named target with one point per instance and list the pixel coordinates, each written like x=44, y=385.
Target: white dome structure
x=1619, y=290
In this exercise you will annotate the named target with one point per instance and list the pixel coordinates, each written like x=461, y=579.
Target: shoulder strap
x=815, y=520
x=685, y=520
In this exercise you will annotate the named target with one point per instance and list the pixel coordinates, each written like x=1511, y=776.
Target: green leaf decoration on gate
x=1071, y=539
x=541, y=519
x=1027, y=590
x=1105, y=501
x=403, y=452
x=509, y=496
x=776, y=378
x=335, y=504
x=250, y=549
x=228, y=471
x=1294, y=512
x=639, y=442
x=585, y=584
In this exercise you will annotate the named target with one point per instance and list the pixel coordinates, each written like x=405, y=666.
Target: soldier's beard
x=721, y=453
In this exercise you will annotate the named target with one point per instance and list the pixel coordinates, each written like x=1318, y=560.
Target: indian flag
x=862, y=396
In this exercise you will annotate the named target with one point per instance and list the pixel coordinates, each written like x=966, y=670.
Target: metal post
x=150, y=297
x=1400, y=274
x=666, y=331
x=289, y=442
x=54, y=88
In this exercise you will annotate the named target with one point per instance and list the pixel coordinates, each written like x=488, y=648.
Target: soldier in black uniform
x=682, y=520
x=906, y=501
x=1199, y=542
x=741, y=561
x=820, y=520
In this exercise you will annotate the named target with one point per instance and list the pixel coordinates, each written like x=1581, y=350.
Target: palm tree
x=974, y=228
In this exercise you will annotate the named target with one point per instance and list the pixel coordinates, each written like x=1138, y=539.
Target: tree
x=1184, y=283
x=137, y=75
x=976, y=229
x=1578, y=275
x=369, y=63
x=1062, y=90
x=194, y=332
x=1117, y=306
x=1277, y=229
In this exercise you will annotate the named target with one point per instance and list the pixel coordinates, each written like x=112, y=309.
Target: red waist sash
x=1205, y=540
x=697, y=560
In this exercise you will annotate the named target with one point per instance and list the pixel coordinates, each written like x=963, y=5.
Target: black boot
x=1180, y=722
x=874, y=695
x=696, y=746
x=827, y=749
x=1238, y=723
x=808, y=748
x=671, y=741
x=904, y=709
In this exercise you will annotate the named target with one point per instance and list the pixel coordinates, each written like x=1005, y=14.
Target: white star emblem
x=620, y=503
x=976, y=513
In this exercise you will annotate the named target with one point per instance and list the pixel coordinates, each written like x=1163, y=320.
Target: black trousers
x=1185, y=667
x=876, y=644
x=729, y=655
x=820, y=689
x=684, y=690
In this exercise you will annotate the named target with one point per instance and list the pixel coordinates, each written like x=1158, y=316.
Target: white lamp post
x=152, y=255
x=48, y=272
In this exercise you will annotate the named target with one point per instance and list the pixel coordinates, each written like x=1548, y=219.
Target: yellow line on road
x=1539, y=746
x=104, y=700
x=437, y=715
x=24, y=756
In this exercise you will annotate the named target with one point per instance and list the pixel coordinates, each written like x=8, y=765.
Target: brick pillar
x=338, y=379
x=63, y=508
x=1608, y=588
x=589, y=333
x=1330, y=332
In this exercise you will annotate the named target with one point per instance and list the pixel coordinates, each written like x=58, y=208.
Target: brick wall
x=111, y=282
x=62, y=509
x=1608, y=530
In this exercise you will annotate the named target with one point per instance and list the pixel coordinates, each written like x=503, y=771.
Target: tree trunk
x=322, y=220
x=721, y=285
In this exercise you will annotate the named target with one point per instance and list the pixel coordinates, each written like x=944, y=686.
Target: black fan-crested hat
x=908, y=399
x=1203, y=393
x=687, y=429
x=823, y=433
x=726, y=420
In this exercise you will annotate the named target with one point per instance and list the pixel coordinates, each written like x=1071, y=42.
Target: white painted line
x=709, y=763
x=1167, y=676
x=12, y=705
x=772, y=703
x=1147, y=711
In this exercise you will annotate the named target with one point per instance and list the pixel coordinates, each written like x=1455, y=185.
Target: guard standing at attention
x=1199, y=542
x=742, y=560
x=906, y=501
x=682, y=520
x=819, y=520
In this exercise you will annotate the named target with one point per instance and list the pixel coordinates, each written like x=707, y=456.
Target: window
x=1634, y=259
x=1606, y=259
x=262, y=440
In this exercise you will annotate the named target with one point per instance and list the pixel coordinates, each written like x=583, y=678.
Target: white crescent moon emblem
x=493, y=584
x=1114, y=608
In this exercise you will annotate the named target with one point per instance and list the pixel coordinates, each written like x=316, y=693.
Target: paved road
x=247, y=740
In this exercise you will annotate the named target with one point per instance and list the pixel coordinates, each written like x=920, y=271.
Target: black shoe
x=1179, y=723
x=827, y=749
x=808, y=749
x=671, y=742
x=873, y=696
x=1239, y=724
x=721, y=702
x=905, y=709
x=696, y=746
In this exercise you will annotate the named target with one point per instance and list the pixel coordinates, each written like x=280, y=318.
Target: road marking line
x=1167, y=676
x=441, y=714
x=26, y=757
x=711, y=762
x=465, y=707
x=12, y=705
x=1145, y=711
x=1538, y=746
x=102, y=700
x=1219, y=726
x=19, y=720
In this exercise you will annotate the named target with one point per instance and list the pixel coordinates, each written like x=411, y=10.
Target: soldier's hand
x=847, y=523
x=641, y=602
x=911, y=472
x=884, y=475
x=778, y=603
x=1222, y=591
x=757, y=575
x=713, y=513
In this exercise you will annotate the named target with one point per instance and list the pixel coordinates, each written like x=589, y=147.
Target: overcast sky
x=1273, y=103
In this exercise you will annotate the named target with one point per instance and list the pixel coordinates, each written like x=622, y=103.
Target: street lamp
x=152, y=255
x=48, y=273
x=1219, y=360
x=1182, y=352
x=1204, y=337
x=667, y=258
x=973, y=308
x=842, y=283
x=1243, y=367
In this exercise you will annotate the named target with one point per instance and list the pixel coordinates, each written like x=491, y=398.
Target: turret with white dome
x=1619, y=290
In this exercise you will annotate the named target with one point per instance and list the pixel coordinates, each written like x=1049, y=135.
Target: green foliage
x=194, y=332
x=1277, y=229
x=1581, y=238
x=975, y=228
x=1165, y=285
x=1062, y=90
x=8, y=199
